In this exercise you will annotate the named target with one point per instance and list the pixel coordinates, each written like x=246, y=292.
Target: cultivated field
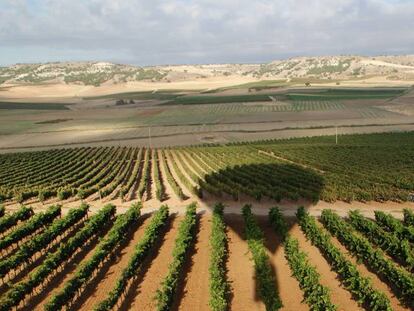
x=181, y=117
x=123, y=228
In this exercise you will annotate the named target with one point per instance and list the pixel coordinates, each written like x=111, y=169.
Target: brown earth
x=376, y=281
x=194, y=295
x=151, y=275
x=104, y=284
x=240, y=267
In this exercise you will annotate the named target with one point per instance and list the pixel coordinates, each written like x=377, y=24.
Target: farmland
x=120, y=228
x=185, y=117
x=235, y=198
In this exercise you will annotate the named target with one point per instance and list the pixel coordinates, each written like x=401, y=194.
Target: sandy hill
x=104, y=73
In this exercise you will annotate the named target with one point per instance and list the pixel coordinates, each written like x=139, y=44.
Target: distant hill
x=98, y=73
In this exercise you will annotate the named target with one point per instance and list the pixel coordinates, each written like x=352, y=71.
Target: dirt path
x=288, y=287
x=195, y=292
x=240, y=268
x=107, y=281
x=339, y=295
x=141, y=297
x=376, y=281
x=271, y=154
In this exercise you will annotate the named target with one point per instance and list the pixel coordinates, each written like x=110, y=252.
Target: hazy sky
x=146, y=32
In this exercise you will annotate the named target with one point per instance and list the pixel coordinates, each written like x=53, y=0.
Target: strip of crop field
x=33, y=106
x=183, y=242
x=53, y=261
x=40, y=242
x=219, y=286
x=104, y=249
x=266, y=281
x=402, y=281
x=351, y=278
x=316, y=295
x=142, y=250
x=209, y=99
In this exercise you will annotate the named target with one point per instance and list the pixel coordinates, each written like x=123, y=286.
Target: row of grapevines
x=102, y=179
x=316, y=295
x=359, y=286
x=183, y=242
x=11, y=220
x=265, y=278
x=219, y=286
x=393, y=246
x=32, y=225
x=119, y=178
x=142, y=250
x=170, y=178
x=408, y=217
x=197, y=175
x=146, y=175
x=61, y=186
x=35, y=178
x=18, y=292
x=402, y=281
x=197, y=167
x=102, y=252
x=159, y=186
x=388, y=222
x=183, y=179
x=41, y=241
x=135, y=174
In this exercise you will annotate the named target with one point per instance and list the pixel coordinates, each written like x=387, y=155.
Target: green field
x=291, y=95
x=32, y=106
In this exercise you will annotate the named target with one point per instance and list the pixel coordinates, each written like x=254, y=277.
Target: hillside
x=103, y=73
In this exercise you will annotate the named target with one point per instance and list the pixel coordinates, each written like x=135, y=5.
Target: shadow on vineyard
x=269, y=184
x=264, y=181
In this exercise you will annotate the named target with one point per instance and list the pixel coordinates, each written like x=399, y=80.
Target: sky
x=150, y=32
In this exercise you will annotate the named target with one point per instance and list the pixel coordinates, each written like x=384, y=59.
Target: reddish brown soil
x=339, y=295
x=376, y=281
x=141, y=297
x=241, y=272
x=57, y=282
x=107, y=281
x=288, y=287
x=194, y=295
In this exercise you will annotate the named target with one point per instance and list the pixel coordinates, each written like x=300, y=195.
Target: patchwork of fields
x=121, y=228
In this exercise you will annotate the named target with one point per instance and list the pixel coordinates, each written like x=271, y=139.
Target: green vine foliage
x=316, y=295
x=401, y=280
x=102, y=252
x=219, y=286
x=183, y=242
x=359, y=286
x=142, y=250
